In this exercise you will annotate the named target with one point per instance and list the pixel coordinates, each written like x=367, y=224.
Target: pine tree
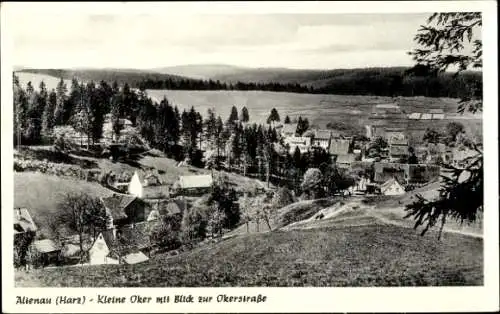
x=245, y=116
x=287, y=120
x=20, y=110
x=210, y=128
x=73, y=105
x=48, y=117
x=219, y=138
x=61, y=99
x=234, y=115
x=273, y=117
x=441, y=45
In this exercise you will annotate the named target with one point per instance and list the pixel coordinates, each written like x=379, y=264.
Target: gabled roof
x=195, y=181
x=117, y=203
x=23, y=221
x=140, y=175
x=45, y=246
x=289, y=128
x=131, y=238
x=339, y=147
x=384, y=186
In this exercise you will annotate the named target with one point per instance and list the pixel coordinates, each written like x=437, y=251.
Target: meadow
x=370, y=255
x=351, y=112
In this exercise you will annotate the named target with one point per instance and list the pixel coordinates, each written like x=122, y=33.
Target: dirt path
x=329, y=214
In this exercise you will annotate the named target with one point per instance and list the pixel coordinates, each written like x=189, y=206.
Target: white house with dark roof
x=303, y=143
x=322, y=138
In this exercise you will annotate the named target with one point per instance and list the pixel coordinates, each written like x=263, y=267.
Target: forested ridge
x=391, y=81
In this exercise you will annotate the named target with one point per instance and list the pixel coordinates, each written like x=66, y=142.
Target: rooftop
x=23, y=221
x=117, y=203
x=46, y=246
x=195, y=181
x=339, y=147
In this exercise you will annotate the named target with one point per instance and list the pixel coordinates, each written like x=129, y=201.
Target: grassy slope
x=41, y=193
x=375, y=255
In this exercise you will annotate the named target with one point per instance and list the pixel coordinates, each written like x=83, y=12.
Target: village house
x=161, y=208
x=134, y=240
x=362, y=184
x=46, y=252
x=124, y=209
x=392, y=187
x=437, y=153
x=345, y=160
x=289, y=130
x=139, y=182
x=338, y=146
x=322, y=138
x=194, y=185
x=99, y=251
x=294, y=142
x=23, y=223
x=405, y=173
x=398, y=147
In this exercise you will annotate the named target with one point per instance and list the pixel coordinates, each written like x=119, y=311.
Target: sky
x=312, y=41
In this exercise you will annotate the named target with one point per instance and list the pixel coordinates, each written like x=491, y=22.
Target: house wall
x=135, y=186
x=99, y=251
x=136, y=211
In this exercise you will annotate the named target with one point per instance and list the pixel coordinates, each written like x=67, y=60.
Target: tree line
x=192, y=84
x=417, y=81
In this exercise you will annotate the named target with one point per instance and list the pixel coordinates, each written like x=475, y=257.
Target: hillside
x=373, y=255
x=41, y=193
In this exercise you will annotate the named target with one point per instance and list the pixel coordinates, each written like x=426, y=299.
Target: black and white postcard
x=249, y=157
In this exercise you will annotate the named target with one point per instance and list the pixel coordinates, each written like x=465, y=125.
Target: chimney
x=114, y=233
x=18, y=213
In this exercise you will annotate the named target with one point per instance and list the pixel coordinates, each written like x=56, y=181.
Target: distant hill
x=203, y=71
x=130, y=76
x=384, y=81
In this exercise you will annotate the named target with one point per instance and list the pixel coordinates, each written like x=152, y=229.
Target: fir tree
x=245, y=116
x=61, y=100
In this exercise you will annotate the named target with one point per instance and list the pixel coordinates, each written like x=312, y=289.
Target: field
x=351, y=111
x=371, y=255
